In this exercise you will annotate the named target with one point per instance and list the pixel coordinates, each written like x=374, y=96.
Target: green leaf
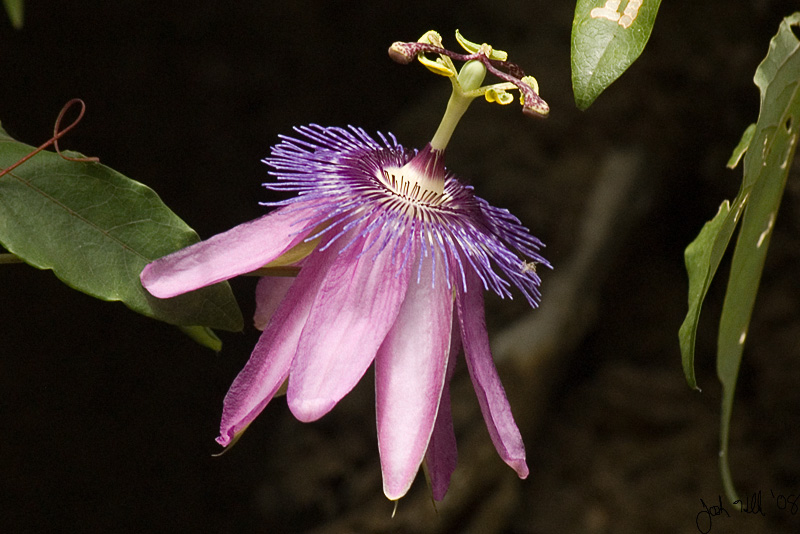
x=97, y=229
x=768, y=148
x=204, y=336
x=766, y=166
x=741, y=148
x=15, y=10
x=702, y=257
x=607, y=37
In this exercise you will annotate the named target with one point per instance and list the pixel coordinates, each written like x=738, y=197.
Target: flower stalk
x=469, y=80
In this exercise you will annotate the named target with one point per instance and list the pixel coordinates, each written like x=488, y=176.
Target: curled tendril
x=58, y=133
x=494, y=60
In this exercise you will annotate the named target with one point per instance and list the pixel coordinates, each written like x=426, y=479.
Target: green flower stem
x=468, y=80
x=456, y=107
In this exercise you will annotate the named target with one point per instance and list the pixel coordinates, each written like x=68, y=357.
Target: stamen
x=493, y=61
x=420, y=181
x=408, y=185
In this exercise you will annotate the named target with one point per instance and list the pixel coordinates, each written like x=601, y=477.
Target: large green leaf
x=607, y=37
x=766, y=166
x=97, y=229
x=770, y=148
x=15, y=10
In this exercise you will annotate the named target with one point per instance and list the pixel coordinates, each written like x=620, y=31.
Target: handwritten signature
x=750, y=505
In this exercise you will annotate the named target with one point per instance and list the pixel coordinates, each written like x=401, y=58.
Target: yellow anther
x=498, y=95
x=442, y=65
x=431, y=37
x=437, y=67
x=466, y=82
x=531, y=81
x=484, y=48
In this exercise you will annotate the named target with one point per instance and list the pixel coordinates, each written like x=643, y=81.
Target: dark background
x=109, y=417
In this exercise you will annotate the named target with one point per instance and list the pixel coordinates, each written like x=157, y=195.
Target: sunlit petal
x=354, y=309
x=491, y=395
x=240, y=250
x=409, y=376
x=442, y=455
x=269, y=363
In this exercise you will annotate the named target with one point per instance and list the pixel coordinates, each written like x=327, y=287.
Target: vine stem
x=57, y=134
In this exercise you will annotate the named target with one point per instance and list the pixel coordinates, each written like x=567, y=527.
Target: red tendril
x=57, y=134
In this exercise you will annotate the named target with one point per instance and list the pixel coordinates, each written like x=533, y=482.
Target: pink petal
x=409, y=376
x=442, y=455
x=240, y=250
x=491, y=395
x=270, y=291
x=354, y=309
x=270, y=361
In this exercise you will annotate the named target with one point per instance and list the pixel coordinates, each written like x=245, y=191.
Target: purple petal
x=351, y=315
x=270, y=291
x=491, y=395
x=442, y=455
x=270, y=361
x=240, y=250
x=409, y=376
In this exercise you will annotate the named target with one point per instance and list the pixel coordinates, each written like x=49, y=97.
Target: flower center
x=409, y=187
x=421, y=180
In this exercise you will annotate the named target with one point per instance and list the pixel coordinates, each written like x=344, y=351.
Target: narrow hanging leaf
x=702, y=257
x=15, y=10
x=766, y=166
x=607, y=37
x=97, y=229
x=768, y=148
